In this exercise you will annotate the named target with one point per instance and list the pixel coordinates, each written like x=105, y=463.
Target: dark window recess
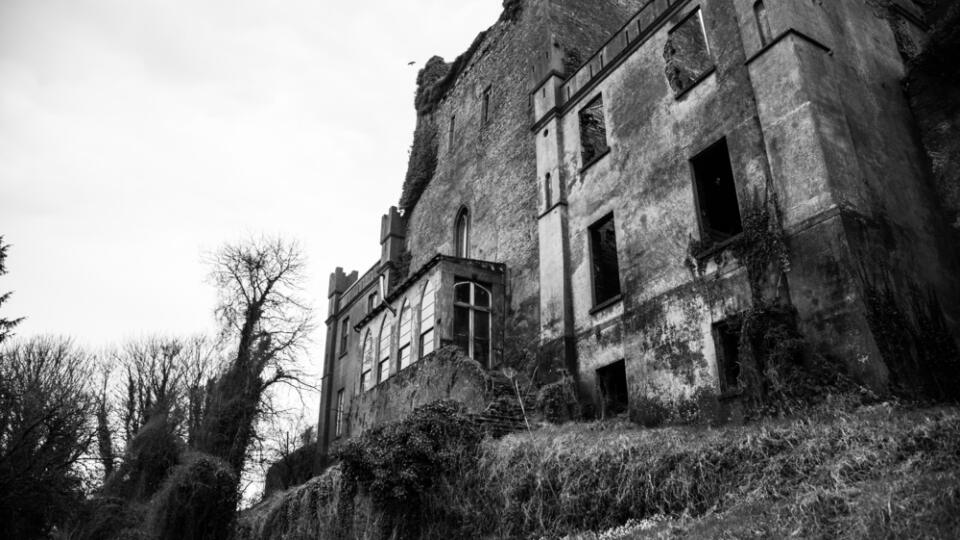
x=726, y=337
x=613, y=388
x=485, y=107
x=686, y=54
x=716, y=194
x=593, y=131
x=606, y=270
x=763, y=23
x=344, y=334
x=453, y=130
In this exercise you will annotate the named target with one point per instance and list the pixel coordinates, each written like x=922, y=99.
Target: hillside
x=880, y=471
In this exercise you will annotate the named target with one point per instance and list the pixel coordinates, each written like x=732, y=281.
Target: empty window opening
x=339, y=412
x=463, y=234
x=404, y=337
x=687, y=54
x=471, y=320
x=426, y=318
x=612, y=380
x=763, y=23
x=366, y=368
x=344, y=335
x=386, y=335
x=547, y=196
x=603, y=251
x=372, y=301
x=453, y=130
x=726, y=337
x=485, y=107
x=593, y=132
x=716, y=194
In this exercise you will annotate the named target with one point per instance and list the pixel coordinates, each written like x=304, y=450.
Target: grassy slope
x=881, y=472
x=884, y=471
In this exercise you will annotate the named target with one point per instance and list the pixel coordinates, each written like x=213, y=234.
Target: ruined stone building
x=599, y=188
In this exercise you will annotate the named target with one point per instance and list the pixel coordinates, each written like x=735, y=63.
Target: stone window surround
x=444, y=276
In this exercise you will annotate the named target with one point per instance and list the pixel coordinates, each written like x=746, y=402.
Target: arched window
x=471, y=320
x=406, y=320
x=426, y=318
x=366, y=368
x=386, y=333
x=463, y=234
x=763, y=23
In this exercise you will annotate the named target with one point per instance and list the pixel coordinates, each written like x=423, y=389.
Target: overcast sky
x=136, y=135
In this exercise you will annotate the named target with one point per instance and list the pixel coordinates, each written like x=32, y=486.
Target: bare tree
x=6, y=325
x=148, y=377
x=262, y=312
x=46, y=408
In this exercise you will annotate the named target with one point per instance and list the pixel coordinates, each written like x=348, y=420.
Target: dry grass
x=885, y=471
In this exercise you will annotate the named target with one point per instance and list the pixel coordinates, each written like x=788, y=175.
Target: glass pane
x=481, y=351
x=481, y=325
x=482, y=297
x=426, y=343
x=404, y=357
x=462, y=293
x=461, y=321
x=385, y=370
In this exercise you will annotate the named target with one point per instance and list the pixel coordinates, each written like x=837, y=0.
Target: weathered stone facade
x=699, y=114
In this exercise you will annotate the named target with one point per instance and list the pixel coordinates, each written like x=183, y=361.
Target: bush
x=398, y=463
x=197, y=502
x=152, y=454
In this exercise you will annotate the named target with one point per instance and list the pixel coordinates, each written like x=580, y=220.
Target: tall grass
x=879, y=472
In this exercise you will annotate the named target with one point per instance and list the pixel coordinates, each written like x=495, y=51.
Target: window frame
x=706, y=236
x=592, y=252
x=405, y=344
x=473, y=308
x=461, y=242
x=383, y=357
x=366, y=369
x=344, y=335
x=485, y=105
x=601, y=153
x=428, y=288
x=338, y=416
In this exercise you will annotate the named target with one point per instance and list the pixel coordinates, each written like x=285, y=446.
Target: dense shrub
x=197, y=502
x=150, y=457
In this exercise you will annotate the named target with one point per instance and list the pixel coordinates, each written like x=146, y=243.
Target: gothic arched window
x=386, y=335
x=406, y=323
x=463, y=234
x=471, y=320
x=427, y=312
x=366, y=368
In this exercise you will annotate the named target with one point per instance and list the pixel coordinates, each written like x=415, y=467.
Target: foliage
x=45, y=411
x=557, y=401
x=6, y=325
x=511, y=10
x=865, y=473
x=915, y=342
x=149, y=458
x=398, y=463
x=260, y=282
x=197, y=502
x=422, y=164
x=107, y=518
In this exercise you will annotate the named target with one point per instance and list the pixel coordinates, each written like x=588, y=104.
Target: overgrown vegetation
x=838, y=472
x=916, y=343
x=398, y=464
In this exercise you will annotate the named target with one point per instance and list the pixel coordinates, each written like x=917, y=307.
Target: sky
x=138, y=135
